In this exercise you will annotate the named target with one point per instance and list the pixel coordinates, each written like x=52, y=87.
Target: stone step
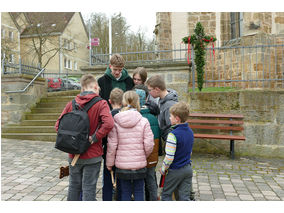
x=28, y=129
x=63, y=93
x=31, y=136
x=47, y=110
x=65, y=99
x=51, y=104
x=38, y=122
x=42, y=116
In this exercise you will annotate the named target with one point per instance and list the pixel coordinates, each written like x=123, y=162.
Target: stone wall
x=207, y=19
x=263, y=111
x=13, y=105
x=164, y=34
x=176, y=75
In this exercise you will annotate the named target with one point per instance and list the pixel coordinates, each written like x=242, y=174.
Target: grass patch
x=215, y=89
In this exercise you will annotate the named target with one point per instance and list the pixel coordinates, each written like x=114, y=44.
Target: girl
x=130, y=142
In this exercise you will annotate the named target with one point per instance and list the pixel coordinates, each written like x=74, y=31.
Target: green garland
x=199, y=40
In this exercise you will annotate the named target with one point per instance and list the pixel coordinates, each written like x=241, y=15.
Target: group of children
x=128, y=137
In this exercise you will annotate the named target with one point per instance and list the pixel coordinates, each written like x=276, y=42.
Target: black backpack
x=74, y=128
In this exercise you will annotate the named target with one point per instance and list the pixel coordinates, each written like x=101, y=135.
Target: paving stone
x=246, y=197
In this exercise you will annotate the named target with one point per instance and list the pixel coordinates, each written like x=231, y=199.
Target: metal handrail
x=23, y=90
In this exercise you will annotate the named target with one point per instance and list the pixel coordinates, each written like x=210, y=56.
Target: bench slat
x=214, y=121
x=215, y=115
x=222, y=137
x=235, y=128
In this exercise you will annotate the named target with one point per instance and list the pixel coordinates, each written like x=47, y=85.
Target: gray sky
x=136, y=19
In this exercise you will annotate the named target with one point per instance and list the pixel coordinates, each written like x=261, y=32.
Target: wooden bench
x=215, y=125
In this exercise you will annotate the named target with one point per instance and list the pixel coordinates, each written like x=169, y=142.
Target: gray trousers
x=151, y=184
x=83, y=178
x=179, y=180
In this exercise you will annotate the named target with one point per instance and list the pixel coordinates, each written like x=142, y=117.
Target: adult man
x=115, y=76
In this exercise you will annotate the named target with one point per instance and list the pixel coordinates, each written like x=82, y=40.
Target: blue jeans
x=179, y=180
x=83, y=179
x=107, y=185
x=151, y=187
x=129, y=187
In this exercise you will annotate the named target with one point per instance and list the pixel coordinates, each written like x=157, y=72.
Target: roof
x=48, y=22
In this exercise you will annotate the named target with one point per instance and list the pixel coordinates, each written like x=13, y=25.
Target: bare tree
x=42, y=41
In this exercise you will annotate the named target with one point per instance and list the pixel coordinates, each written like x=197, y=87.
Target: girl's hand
x=109, y=168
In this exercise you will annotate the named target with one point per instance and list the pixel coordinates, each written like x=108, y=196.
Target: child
x=151, y=187
x=115, y=100
x=130, y=142
x=84, y=175
x=177, y=163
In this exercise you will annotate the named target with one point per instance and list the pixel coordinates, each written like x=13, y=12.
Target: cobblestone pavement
x=30, y=170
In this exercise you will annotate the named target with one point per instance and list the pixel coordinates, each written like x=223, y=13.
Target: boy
x=84, y=175
x=115, y=99
x=167, y=98
x=115, y=76
x=177, y=163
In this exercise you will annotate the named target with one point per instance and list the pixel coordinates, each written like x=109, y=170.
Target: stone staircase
x=39, y=123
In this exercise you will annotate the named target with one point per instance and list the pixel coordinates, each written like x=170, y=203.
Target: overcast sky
x=144, y=20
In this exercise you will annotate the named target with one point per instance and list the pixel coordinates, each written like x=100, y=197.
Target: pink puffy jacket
x=130, y=141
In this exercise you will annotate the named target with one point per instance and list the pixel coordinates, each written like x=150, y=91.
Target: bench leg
x=232, y=149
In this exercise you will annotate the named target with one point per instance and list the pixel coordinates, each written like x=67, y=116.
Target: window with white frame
x=75, y=65
x=11, y=35
x=69, y=64
x=65, y=62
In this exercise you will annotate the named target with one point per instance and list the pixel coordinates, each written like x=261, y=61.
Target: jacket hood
x=127, y=119
x=85, y=97
x=122, y=78
x=171, y=96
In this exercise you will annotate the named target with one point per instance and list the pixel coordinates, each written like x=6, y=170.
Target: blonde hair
x=117, y=60
x=141, y=71
x=180, y=109
x=130, y=100
x=87, y=79
x=156, y=81
x=116, y=96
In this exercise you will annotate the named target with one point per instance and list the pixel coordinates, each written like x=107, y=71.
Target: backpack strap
x=91, y=103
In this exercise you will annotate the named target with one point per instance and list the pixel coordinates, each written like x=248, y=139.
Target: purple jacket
x=130, y=141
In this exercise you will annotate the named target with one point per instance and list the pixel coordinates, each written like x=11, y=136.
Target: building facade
x=56, y=41
x=244, y=48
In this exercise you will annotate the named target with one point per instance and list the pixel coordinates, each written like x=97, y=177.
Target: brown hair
x=130, y=100
x=141, y=71
x=156, y=81
x=180, y=109
x=116, y=96
x=117, y=60
x=87, y=79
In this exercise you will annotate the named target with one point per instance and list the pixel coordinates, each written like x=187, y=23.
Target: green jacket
x=152, y=160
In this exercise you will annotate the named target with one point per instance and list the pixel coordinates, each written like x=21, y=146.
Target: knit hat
x=142, y=96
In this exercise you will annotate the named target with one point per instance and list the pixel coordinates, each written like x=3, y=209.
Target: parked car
x=54, y=84
x=70, y=84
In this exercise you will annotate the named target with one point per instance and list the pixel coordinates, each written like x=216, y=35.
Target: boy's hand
x=161, y=172
x=109, y=168
x=91, y=139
